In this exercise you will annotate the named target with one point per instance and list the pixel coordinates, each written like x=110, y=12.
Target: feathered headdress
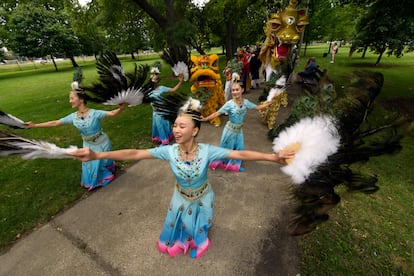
x=235, y=77
x=11, y=144
x=155, y=68
x=170, y=105
x=10, y=120
x=115, y=86
x=77, y=79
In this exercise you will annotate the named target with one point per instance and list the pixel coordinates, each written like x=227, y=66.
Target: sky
x=197, y=2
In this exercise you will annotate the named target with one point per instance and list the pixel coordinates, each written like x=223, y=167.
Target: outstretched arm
x=263, y=106
x=175, y=88
x=45, y=124
x=116, y=111
x=210, y=117
x=279, y=157
x=86, y=154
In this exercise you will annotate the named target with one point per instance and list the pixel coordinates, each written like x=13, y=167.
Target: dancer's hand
x=83, y=154
x=285, y=156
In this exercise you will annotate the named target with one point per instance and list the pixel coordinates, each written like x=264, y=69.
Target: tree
x=167, y=15
x=91, y=36
x=230, y=18
x=124, y=25
x=330, y=21
x=392, y=34
x=37, y=32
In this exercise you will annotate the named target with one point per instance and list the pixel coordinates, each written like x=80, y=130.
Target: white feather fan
x=317, y=138
x=181, y=68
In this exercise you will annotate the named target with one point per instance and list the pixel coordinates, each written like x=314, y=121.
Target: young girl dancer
x=191, y=209
x=232, y=136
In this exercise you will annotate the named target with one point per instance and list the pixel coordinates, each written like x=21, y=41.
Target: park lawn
x=366, y=235
x=33, y=191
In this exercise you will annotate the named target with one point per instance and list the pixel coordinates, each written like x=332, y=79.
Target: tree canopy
x=65, y=28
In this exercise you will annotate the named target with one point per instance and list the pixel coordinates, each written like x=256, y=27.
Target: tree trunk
x=74, y=64
x=364, y=52
x=132, y=55
x=231, y=40
x=379, y=58
x=54, y=63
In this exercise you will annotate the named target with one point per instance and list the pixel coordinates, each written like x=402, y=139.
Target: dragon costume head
x=283, y=31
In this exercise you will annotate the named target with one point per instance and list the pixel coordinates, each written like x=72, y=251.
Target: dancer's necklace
x=188, y=152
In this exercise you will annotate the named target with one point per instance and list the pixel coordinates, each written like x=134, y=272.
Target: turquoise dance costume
x=95, y=173
x=232, y=137
x=161, y=128
x=190, y=213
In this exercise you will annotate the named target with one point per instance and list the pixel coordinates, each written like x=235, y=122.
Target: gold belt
x=192, y=194
x=234, y=127
x=93, y=137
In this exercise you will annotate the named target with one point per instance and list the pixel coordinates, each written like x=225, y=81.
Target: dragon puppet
x=204, y=74
x=278, y=55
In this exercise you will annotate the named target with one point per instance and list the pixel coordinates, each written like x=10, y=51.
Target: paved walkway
x=114, y=230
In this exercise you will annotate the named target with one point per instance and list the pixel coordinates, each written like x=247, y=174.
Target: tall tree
x=392, y=34
x=168, y=16
x=91, y=36
x=226, y=18
x=38, y=32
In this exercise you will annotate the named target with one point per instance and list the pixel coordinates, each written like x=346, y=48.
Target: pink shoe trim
x=202, y=249
x=176, y=249
x=163, y=248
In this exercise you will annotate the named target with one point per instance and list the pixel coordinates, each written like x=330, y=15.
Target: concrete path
x=114, y=230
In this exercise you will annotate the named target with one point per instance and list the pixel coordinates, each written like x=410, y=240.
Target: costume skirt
x=161, y=129
x=186, y=225
x=98, y=173
x=232, y=138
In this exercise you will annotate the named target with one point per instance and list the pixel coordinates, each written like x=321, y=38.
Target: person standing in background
x=334, y=51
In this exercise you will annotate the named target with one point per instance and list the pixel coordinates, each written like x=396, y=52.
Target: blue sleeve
x=215, y=153
x=225, y=108
x=99, y=113
x=249, y=104
x=68, y=119
x=162, y=153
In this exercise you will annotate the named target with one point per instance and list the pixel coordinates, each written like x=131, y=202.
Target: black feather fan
x=11, y=144
x=11, y=121
x=115, y=86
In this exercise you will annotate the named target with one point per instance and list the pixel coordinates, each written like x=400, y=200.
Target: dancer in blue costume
x=232, y=136
x=161, y=128
x=88, y=122
x=190, y=213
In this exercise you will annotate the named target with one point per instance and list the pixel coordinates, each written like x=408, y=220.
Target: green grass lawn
x=366, y=235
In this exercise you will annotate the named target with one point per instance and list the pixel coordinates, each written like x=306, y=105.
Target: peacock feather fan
x=331, y=131
x=116, y=86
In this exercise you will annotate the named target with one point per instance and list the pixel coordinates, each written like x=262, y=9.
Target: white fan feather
x=318, y=138
x=32, y=149
x=181, y=68
x=131, y=96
